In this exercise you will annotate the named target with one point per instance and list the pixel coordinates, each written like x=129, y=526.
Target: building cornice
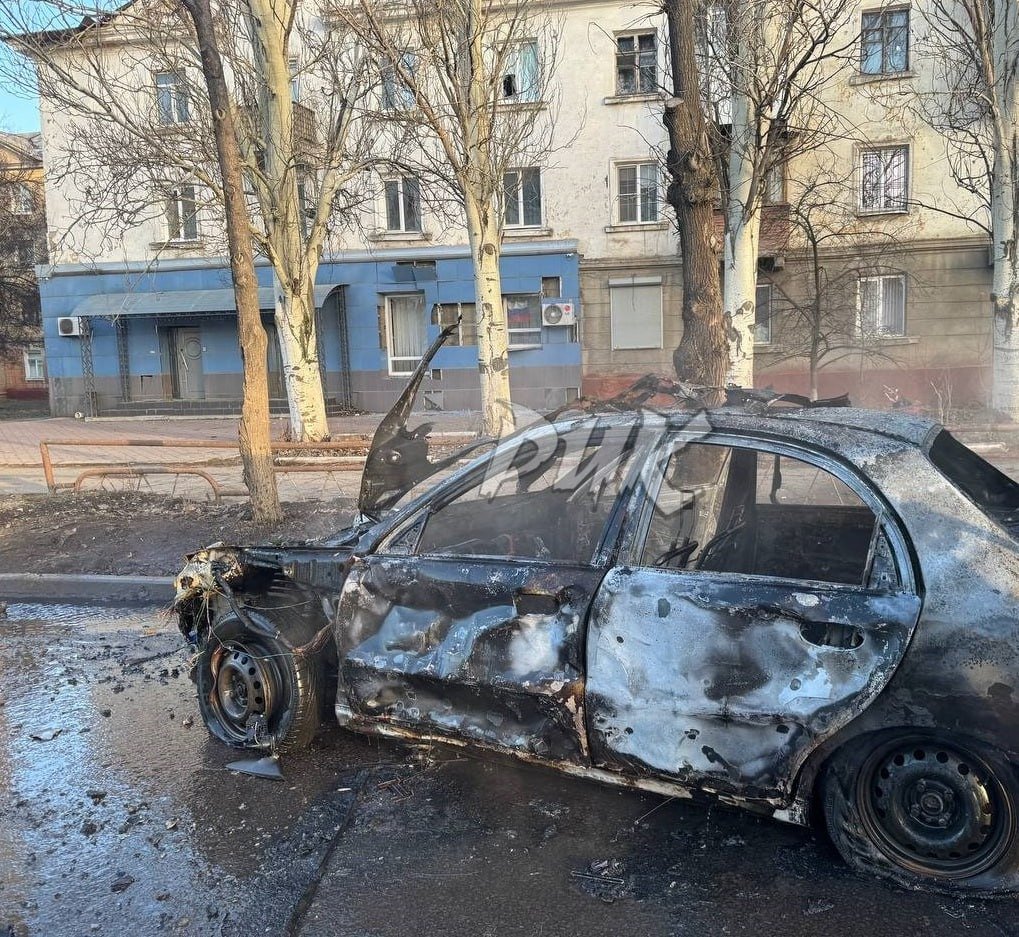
x=394, y=254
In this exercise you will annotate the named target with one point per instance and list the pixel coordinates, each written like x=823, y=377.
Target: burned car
x=800, y=612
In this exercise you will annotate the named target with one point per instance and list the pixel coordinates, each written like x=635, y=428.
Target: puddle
x=29, y=616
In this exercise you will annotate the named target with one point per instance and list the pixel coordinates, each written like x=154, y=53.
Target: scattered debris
x=122, y=883
x=267, y=767
x=603, y=878
x=46, y=735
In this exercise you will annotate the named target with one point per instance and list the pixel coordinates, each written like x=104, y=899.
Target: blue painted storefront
x=133, y=364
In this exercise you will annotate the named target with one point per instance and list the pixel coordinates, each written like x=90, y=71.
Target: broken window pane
x=737, y=510
x=547, y=499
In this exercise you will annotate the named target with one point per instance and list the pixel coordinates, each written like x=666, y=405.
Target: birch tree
x=139, y=137
x=973, y=102
x=766, y=63
x=467, y=96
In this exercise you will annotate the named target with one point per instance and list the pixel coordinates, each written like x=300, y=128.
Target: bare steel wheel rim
x=935, y=809
x=246, y=686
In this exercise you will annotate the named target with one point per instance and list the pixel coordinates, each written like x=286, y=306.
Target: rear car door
x=469, y=619
x=765, y=600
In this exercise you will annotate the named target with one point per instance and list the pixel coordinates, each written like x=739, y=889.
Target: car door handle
x=535, y=603
x=831, y=634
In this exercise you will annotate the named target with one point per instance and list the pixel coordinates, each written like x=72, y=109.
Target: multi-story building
x=22, y=246
x=145, y=320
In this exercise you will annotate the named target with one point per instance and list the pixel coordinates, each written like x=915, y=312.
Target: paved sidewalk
x=21, y=467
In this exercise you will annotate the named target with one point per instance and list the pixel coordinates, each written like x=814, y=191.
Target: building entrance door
x=186, y=364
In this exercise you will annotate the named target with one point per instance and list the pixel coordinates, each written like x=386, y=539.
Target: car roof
x=905, y=427
x=817, y=424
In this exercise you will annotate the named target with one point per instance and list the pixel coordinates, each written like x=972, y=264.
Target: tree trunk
x=1005, y=289
x=292, y=262
x=1004, y=88
x=253, y=433
x=298, y=335
x=743, y=229
x=703, y=353
x=493, y=332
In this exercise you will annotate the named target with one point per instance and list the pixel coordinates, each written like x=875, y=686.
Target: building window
x=884, y=178
x=882, y=305
x=522, y=196
x=26, y=253
x=762, y=315
x=403, y=204
x=635, y=313
x=552, y=287
x=295, y=79
x=521, y=82
x=172, y=98
x=396, y=96
x=406, y=331
x=182, y=215
x=884, y=42
x=637, y=63
x=637, y=193
x=523, y=318
x=35, y=363
x=774, y=185
x=445, y=314
x=22, y=200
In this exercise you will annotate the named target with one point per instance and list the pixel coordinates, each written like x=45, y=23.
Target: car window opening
x=736, y=510
x=989, y=489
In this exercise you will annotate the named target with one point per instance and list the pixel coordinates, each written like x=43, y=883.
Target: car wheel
x=254, y=692
x=924, y=810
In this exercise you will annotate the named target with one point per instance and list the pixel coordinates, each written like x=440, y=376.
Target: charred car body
x=787, y=611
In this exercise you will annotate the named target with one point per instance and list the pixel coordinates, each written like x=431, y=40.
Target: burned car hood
x=398, y=457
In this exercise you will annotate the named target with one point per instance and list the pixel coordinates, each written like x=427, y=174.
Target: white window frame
x=35, y=363
x=176, y=215
x=294, y=64
x=401, y=189
x=522, y=221
x=638, y=166
x=883, y=14
x=22, y=199
x=635, y=66
x=396, y=97
x=529, y=337
x=884, y=205
x=764, y=329
x=178, y=104
x=402, y=366
x=513, y=89
x=862, y=328
x=617, y=330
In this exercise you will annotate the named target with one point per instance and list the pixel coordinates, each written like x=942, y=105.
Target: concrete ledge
x=106, y=590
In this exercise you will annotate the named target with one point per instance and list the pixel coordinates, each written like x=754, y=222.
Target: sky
x=18, y=114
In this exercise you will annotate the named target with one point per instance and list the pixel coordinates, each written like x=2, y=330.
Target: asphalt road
x=117, y=816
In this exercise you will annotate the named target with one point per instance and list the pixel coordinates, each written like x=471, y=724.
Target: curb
x=106, y=590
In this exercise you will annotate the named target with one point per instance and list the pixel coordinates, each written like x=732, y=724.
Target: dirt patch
x=125, y=533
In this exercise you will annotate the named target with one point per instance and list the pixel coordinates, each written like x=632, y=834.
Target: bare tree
x=22, y=245
x=973, y=102
x=139, y=157
x=253, y=432
x=467, y=96
x=702, y=357
x=825, y=313
x=766, y=64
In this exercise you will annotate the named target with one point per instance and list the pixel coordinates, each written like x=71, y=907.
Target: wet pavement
x=117, y=816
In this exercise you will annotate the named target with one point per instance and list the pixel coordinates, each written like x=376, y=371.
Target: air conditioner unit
x=558, y=312
x=69, y=326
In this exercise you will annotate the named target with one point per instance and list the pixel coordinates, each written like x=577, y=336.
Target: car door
x=469, y=618
x=765, y=600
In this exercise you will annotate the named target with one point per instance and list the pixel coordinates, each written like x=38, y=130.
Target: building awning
x=178, y=302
